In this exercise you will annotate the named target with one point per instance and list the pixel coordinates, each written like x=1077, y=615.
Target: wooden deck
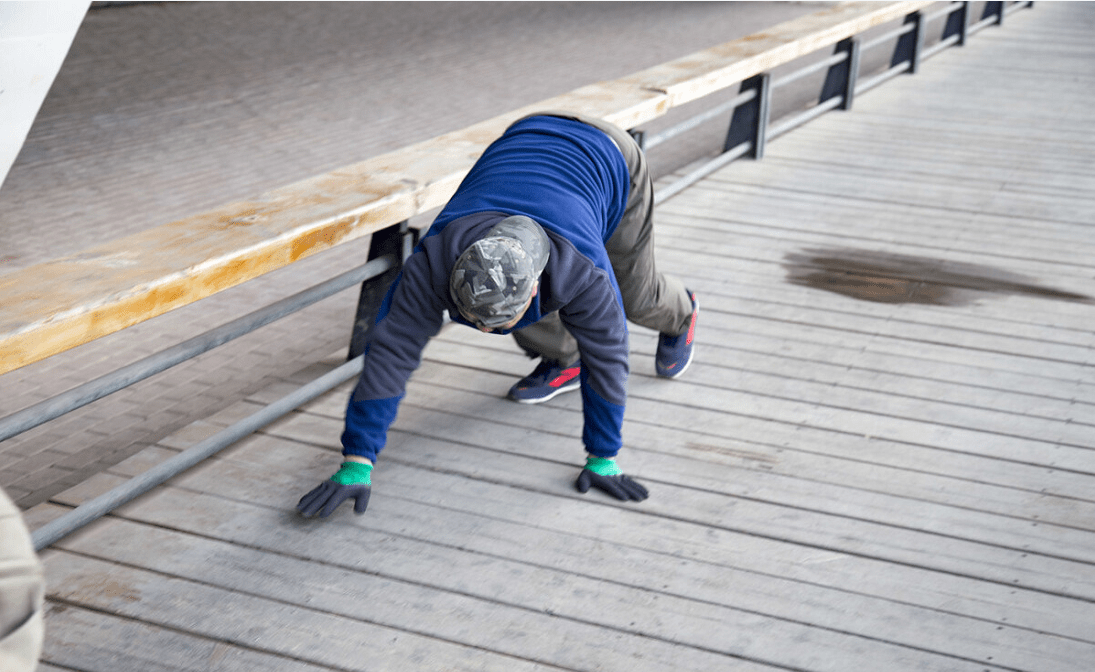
x=883, y=457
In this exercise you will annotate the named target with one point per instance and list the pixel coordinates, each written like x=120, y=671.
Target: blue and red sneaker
x=675, y=352
x=548, y=380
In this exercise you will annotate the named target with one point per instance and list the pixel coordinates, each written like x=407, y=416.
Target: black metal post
x=397, y=240
x=639, y=137
x=749, y=122
x=910, y=44
x=840, y=79
x=958, y=23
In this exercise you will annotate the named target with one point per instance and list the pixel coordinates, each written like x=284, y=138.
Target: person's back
x=565, y=175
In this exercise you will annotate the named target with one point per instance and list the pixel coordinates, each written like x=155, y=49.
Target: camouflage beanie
x=493, y=278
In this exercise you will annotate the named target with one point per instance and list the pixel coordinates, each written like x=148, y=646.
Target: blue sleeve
x=596, y=319
x=367, y=422
x=409, y=317
x=604, y=421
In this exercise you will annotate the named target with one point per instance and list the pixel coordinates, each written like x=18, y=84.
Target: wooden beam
x=711, y=70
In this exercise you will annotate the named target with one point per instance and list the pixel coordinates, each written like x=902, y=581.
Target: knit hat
x=494, y=277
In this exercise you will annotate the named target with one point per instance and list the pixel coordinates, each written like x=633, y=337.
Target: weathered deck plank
x=448, y=514
x=919, y=227
x=763, y=429
x=84, y=639
x=836, y=484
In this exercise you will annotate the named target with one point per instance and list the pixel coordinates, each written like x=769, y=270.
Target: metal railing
x=749, y=131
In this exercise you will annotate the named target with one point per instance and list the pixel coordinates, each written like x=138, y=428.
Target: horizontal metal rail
x=891, y=35
x=864, y=85
x=702, y=171
x=47, y=410
x=940, y=46
x=810, y=69
x=861, y=85
x=801, y=118
x=702, y=118
x=105, y=503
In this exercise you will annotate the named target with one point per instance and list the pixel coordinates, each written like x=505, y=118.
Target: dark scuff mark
x=896, y=278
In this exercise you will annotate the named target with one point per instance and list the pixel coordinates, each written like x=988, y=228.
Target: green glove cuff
x=602, y=466
x=354, y=473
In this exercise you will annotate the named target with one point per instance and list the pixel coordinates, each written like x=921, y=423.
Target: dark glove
x=603, y=474
x=352, y=481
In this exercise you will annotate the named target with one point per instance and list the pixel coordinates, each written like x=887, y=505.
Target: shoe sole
x=540, y=400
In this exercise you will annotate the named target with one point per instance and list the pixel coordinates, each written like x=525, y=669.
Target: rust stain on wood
x=882, y=277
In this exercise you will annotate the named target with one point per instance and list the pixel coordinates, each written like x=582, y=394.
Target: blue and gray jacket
x=570, y=178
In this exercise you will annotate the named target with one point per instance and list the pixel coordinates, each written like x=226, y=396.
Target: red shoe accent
x=566, y=376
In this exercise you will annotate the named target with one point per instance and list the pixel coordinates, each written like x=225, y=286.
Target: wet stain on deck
x=895, y=278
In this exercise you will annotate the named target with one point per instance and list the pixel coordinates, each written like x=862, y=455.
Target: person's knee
x=638, y=306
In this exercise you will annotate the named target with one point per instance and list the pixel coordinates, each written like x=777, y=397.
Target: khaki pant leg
x=22, y=589
x=548, y=339
x=651, y=299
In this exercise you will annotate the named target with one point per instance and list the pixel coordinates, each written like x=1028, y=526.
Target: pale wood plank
x=348, y=584
x=776, y=236
x=956, y=176
x=896, y=399
x=1061, y=354
x=269, y=626
x=735, y=201
x=738, y=358
x=716, y=405
x=806, y=527
x=866, y=462
x=1018, y=532
x=990, y=299
x=895, y=192
x=741, y=327
x=916, y=501
x=941, y=146
x=756, y=470
x=747, y=441
x=747, y=240
x=504, y=365
x=264, y=453
x=986, y=319
x=91, y=641
x=440, y=577
x=1055, y=381
x=416, y=484
x=406, y=562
